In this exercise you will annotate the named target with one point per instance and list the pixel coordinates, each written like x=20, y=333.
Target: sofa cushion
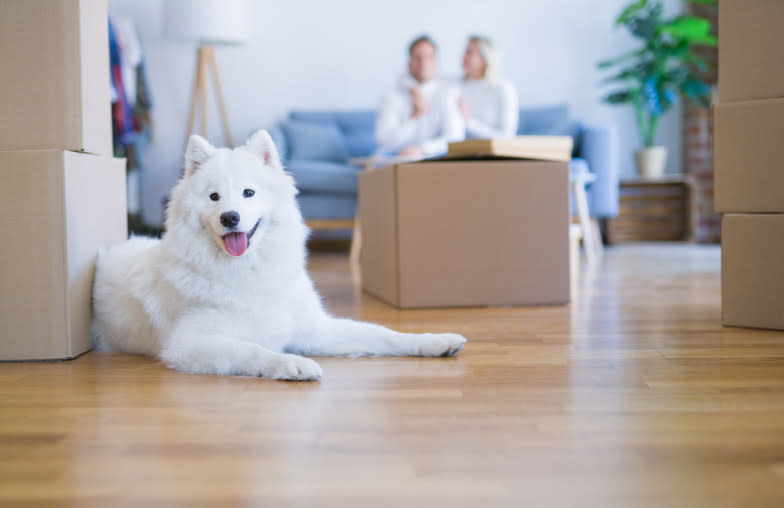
x=360, y=144
x=324, y=177
x=310, y=141
x=543, y=120
x=319, y=117
x=550, y=121
x=356, y=120
x=358, y=129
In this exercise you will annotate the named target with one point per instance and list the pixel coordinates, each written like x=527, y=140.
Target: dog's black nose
x=230, y=219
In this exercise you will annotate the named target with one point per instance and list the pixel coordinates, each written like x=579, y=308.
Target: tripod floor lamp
x=209, y=23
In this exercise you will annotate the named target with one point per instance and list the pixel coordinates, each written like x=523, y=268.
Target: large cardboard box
x=750, y=42
x=57, y=208
x=752, y=271
x=748, y=160
x=466, y=233
x=54, y=92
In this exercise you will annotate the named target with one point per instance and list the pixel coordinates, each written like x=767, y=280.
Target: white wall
x=346, y=53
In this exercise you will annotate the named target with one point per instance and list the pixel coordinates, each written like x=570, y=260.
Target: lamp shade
x=207, y=21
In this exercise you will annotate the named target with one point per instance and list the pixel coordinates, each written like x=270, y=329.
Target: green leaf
x=621, y=76
x=698, y=62
x=646, y=27
x=628, y=13
x=619, y=97
x=636, y=72
x=708, y=40
x=676, y=75
x=667, y=96
x=609, y=63
x=688, y=28
x=704, y=2
x=697, y=90
x=694, y=88
x=673, y=51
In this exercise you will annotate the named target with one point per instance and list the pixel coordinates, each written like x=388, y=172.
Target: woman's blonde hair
x=490, y=56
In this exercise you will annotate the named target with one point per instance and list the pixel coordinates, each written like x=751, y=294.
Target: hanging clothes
x=122, y=122
x=131, y=99
x=131, y=106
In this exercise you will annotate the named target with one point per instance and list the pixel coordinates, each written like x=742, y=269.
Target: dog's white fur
x=185, y=300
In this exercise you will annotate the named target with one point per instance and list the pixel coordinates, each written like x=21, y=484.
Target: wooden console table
x=654, y=210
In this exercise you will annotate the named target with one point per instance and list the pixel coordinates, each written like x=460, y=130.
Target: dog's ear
x=197, y=153
x=261, y=145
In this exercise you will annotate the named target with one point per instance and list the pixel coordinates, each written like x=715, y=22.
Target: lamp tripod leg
x=205, y=64
x=204, y=53
x=195, y=95
x=213, y=64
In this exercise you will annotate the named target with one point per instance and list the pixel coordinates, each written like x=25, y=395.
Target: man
x=421, y=116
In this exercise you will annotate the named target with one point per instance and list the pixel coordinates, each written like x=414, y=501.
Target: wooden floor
x=632, y=396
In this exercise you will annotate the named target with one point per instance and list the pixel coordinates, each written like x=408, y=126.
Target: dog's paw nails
x=297, y=368
x=453, y=350
x=455, y=344
x=443, y=344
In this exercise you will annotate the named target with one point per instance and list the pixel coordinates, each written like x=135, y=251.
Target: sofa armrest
x=599, y=147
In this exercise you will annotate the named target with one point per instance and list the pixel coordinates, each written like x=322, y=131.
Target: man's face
x=422, y=62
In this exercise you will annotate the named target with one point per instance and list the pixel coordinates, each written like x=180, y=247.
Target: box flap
x=547, y=148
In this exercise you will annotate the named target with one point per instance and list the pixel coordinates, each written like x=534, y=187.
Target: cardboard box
x=57, y=208
x=54, y=93
x=752, y=272
x=466, y=233
x=748, y=160
x=750, y=42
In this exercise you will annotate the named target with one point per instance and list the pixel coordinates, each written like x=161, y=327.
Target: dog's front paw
x=440, y=344
x=294, y=368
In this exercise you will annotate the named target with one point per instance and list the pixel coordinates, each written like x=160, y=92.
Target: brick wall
x=698, y=140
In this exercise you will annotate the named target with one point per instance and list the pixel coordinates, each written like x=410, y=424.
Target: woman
x=488, y=103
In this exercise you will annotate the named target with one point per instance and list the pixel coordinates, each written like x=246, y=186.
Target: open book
x=549, y=148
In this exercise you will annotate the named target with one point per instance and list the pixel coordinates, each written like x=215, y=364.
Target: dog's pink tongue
x=236, y=243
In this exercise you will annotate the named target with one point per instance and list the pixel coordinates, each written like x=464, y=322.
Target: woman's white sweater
x=492, y=108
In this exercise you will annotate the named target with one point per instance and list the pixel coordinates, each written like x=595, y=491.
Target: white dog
x=226, y=290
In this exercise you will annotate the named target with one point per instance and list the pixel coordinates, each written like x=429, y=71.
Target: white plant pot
x=651, y=161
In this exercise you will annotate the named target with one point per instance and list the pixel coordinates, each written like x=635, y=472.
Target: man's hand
x=463, y=107
x=419, y=102
x=411, y=151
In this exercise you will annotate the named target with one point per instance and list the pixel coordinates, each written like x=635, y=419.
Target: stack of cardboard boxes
x=62, y=195
x=749, y=161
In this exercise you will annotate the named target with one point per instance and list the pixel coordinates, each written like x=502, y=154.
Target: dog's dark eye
x=215, y=196
x=248, y=193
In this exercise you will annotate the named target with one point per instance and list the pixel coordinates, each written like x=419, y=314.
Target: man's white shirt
x=432, y=130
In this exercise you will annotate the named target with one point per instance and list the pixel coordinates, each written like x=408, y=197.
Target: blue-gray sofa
x=316, y=147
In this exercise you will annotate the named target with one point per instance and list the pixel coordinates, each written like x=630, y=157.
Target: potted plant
x=651, y=77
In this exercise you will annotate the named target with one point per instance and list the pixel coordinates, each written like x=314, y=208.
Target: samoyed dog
x=226, y=291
